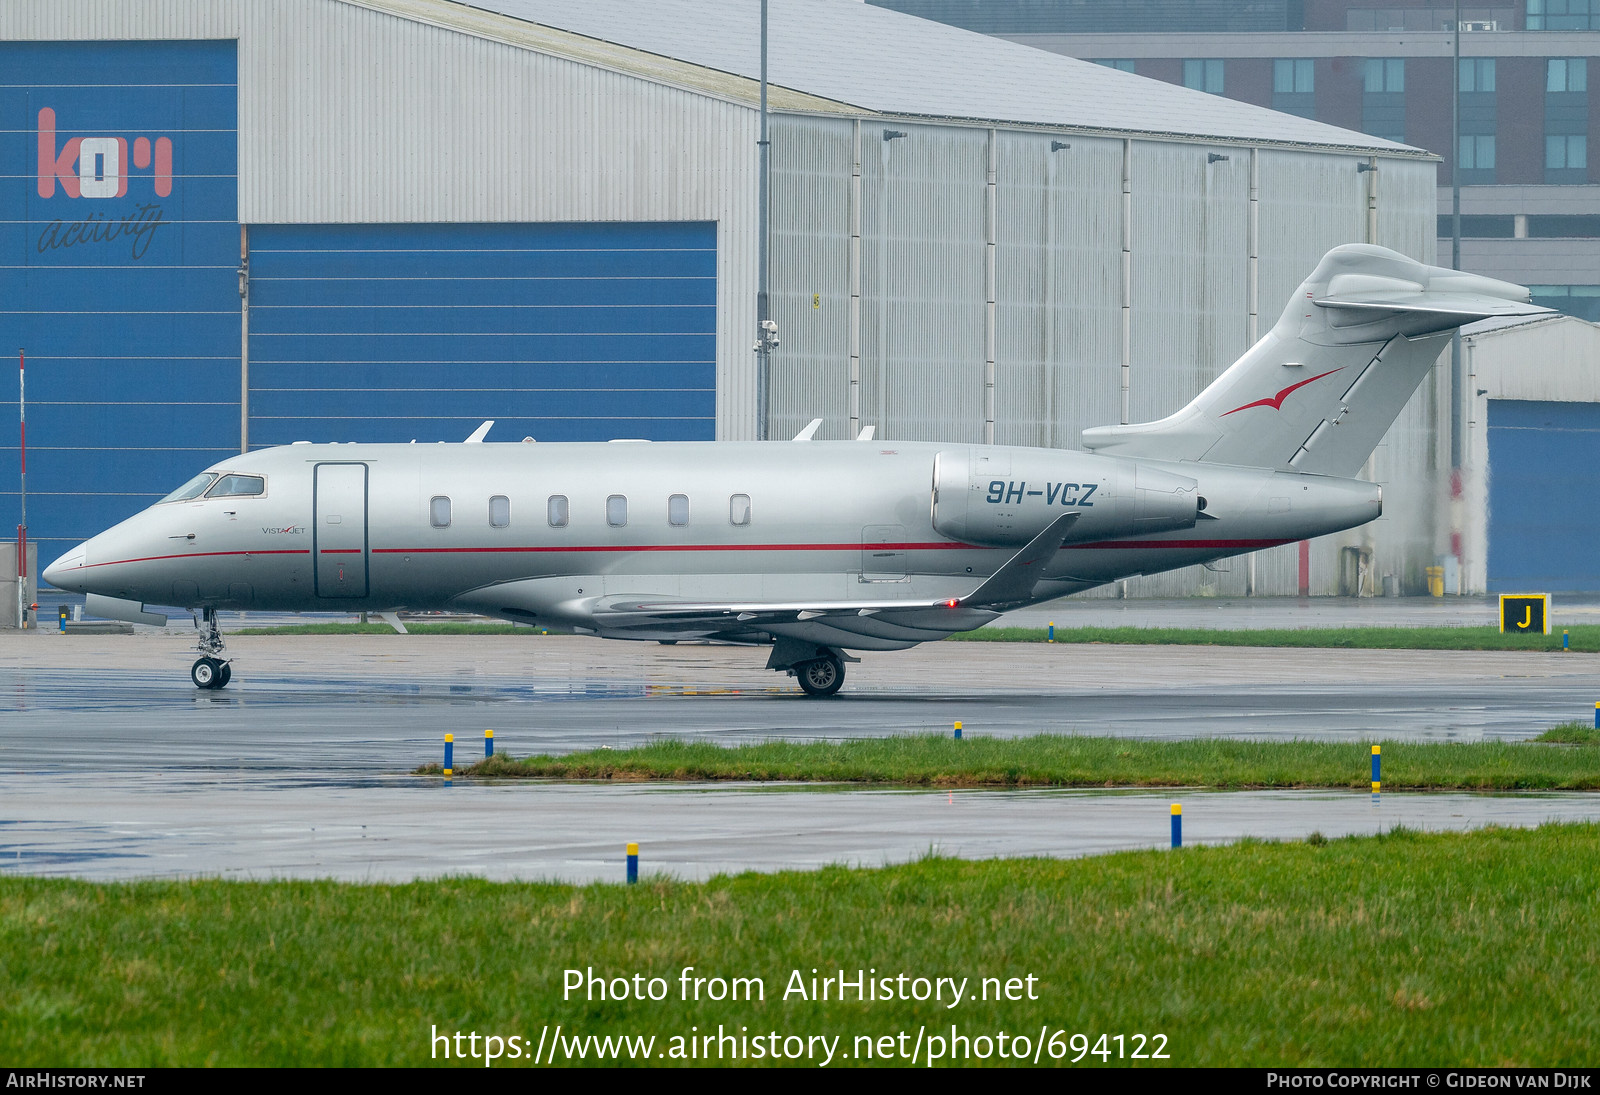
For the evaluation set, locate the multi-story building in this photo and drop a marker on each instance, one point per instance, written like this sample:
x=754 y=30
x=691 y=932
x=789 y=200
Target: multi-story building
x=1523 y=98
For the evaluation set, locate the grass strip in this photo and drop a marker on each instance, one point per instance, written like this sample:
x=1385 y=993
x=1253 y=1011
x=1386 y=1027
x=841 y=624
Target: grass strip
x=1065 y=760
x=1584 y=638
x=1405 y=949
x=1570 y=733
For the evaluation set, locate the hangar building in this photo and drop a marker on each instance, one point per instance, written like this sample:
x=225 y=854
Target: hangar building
x=238 y=223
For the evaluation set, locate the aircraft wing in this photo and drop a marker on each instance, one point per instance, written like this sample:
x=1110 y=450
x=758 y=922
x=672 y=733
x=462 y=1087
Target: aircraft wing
x=887 y=621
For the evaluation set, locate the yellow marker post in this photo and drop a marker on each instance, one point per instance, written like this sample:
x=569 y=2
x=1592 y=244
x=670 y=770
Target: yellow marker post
x=958 y=725
x=449 y=755
x=488 y=744
x=633 y=863
x=1177 y=824
x=1377 y=770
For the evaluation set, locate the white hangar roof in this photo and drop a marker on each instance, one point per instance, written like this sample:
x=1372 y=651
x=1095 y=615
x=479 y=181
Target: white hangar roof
x=885 y=62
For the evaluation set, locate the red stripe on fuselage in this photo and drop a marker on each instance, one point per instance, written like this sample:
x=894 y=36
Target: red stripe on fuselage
x=195 y=555
x=1178 y=545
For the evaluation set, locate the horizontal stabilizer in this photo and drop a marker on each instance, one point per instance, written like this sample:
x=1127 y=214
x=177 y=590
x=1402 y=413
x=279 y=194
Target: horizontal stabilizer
x=1318 y=393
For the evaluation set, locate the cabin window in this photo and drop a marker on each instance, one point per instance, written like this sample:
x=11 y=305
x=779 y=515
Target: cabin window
x=739 y=509
x=439 y=511
x=617 y=510
x=499 y=511
x=678 y=510
x=238 y=486
x=194 y=488
x=558 y=511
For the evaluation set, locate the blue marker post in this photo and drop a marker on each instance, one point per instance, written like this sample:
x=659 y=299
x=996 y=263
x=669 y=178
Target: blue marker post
x=1377 y=769
x=63 y=615
x=1566 y=640
x=449 y=756
x=1052 y=637
x=488 y=744
x=1177 y=824
x=1597 y=716
x=1596 y=721
x=633 y=863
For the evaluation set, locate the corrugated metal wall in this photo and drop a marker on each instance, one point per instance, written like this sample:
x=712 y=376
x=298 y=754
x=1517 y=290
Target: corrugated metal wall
x=562 y=332
x=1059 y=276
x=1058 y=280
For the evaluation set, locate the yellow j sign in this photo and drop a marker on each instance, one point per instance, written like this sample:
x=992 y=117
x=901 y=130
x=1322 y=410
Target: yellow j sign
x=1525 y=613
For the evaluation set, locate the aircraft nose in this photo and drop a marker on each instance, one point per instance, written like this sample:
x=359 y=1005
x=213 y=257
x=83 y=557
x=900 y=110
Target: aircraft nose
x=67 y=571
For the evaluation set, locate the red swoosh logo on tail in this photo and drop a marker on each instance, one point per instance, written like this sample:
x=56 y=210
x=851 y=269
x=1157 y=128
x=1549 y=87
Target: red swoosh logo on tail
x=1276 y=401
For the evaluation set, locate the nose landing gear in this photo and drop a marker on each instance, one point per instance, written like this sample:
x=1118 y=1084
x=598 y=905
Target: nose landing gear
x=210 y=670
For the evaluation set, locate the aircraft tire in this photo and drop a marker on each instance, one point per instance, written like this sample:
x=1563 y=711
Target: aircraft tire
x=822 y=677
x=206 y=673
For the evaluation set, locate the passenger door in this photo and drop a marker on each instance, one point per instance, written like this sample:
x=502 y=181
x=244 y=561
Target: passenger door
x=339 y=531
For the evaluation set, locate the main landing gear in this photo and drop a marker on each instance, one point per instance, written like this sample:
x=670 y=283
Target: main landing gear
x=210 y=670
x=820 y=676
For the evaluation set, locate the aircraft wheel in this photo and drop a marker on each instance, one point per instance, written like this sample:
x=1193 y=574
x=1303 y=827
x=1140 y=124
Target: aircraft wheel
x=206 y=673
x=224 y=675
x=822 y=677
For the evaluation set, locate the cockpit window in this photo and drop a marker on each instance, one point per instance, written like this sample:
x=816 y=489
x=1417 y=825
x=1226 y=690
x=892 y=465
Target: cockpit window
x=194 y=488
x=236 y=486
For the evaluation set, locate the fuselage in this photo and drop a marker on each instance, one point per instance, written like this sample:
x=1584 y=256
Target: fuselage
x=547 y=532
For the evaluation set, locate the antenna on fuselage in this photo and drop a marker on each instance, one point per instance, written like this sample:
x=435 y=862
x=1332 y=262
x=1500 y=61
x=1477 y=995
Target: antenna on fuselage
x=477 y=435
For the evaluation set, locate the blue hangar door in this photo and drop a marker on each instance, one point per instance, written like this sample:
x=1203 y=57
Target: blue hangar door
x=119 y=251
x=1544 y=496
x=560 y=332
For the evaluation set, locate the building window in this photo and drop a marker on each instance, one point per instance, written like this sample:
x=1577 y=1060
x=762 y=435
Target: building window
x=1204 y=75
x=1293 y=85
x=439 y=511
x=617 y=510
x=1385 y=75
x=678 y=510
x=1477 y=74
x=1476 y=153
x=558 y=511
x=1120 y=64
x=1563 y=15
x=1582 y=301
x=1567 y=152
x=1566 y=74
x=1566 y=120
x=1383 y=100
x=499 y=511
x=739 y=509
x=1483 y=226
x=1564 y=226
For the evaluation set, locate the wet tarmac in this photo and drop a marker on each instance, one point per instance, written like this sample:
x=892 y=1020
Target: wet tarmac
x=230 y=826
x=112 y=765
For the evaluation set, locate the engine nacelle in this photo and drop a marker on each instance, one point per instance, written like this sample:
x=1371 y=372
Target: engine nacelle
x=1002 y=497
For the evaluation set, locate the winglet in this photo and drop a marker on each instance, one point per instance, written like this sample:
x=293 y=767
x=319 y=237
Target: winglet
x=810 y=431
x=866 y=433
x=480 y=433
x=1013 y=583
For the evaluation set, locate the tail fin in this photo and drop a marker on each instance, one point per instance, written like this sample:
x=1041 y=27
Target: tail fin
x=1318 y=393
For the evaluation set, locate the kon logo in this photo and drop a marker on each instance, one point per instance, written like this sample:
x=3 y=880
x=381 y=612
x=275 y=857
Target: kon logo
x=97 y=167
